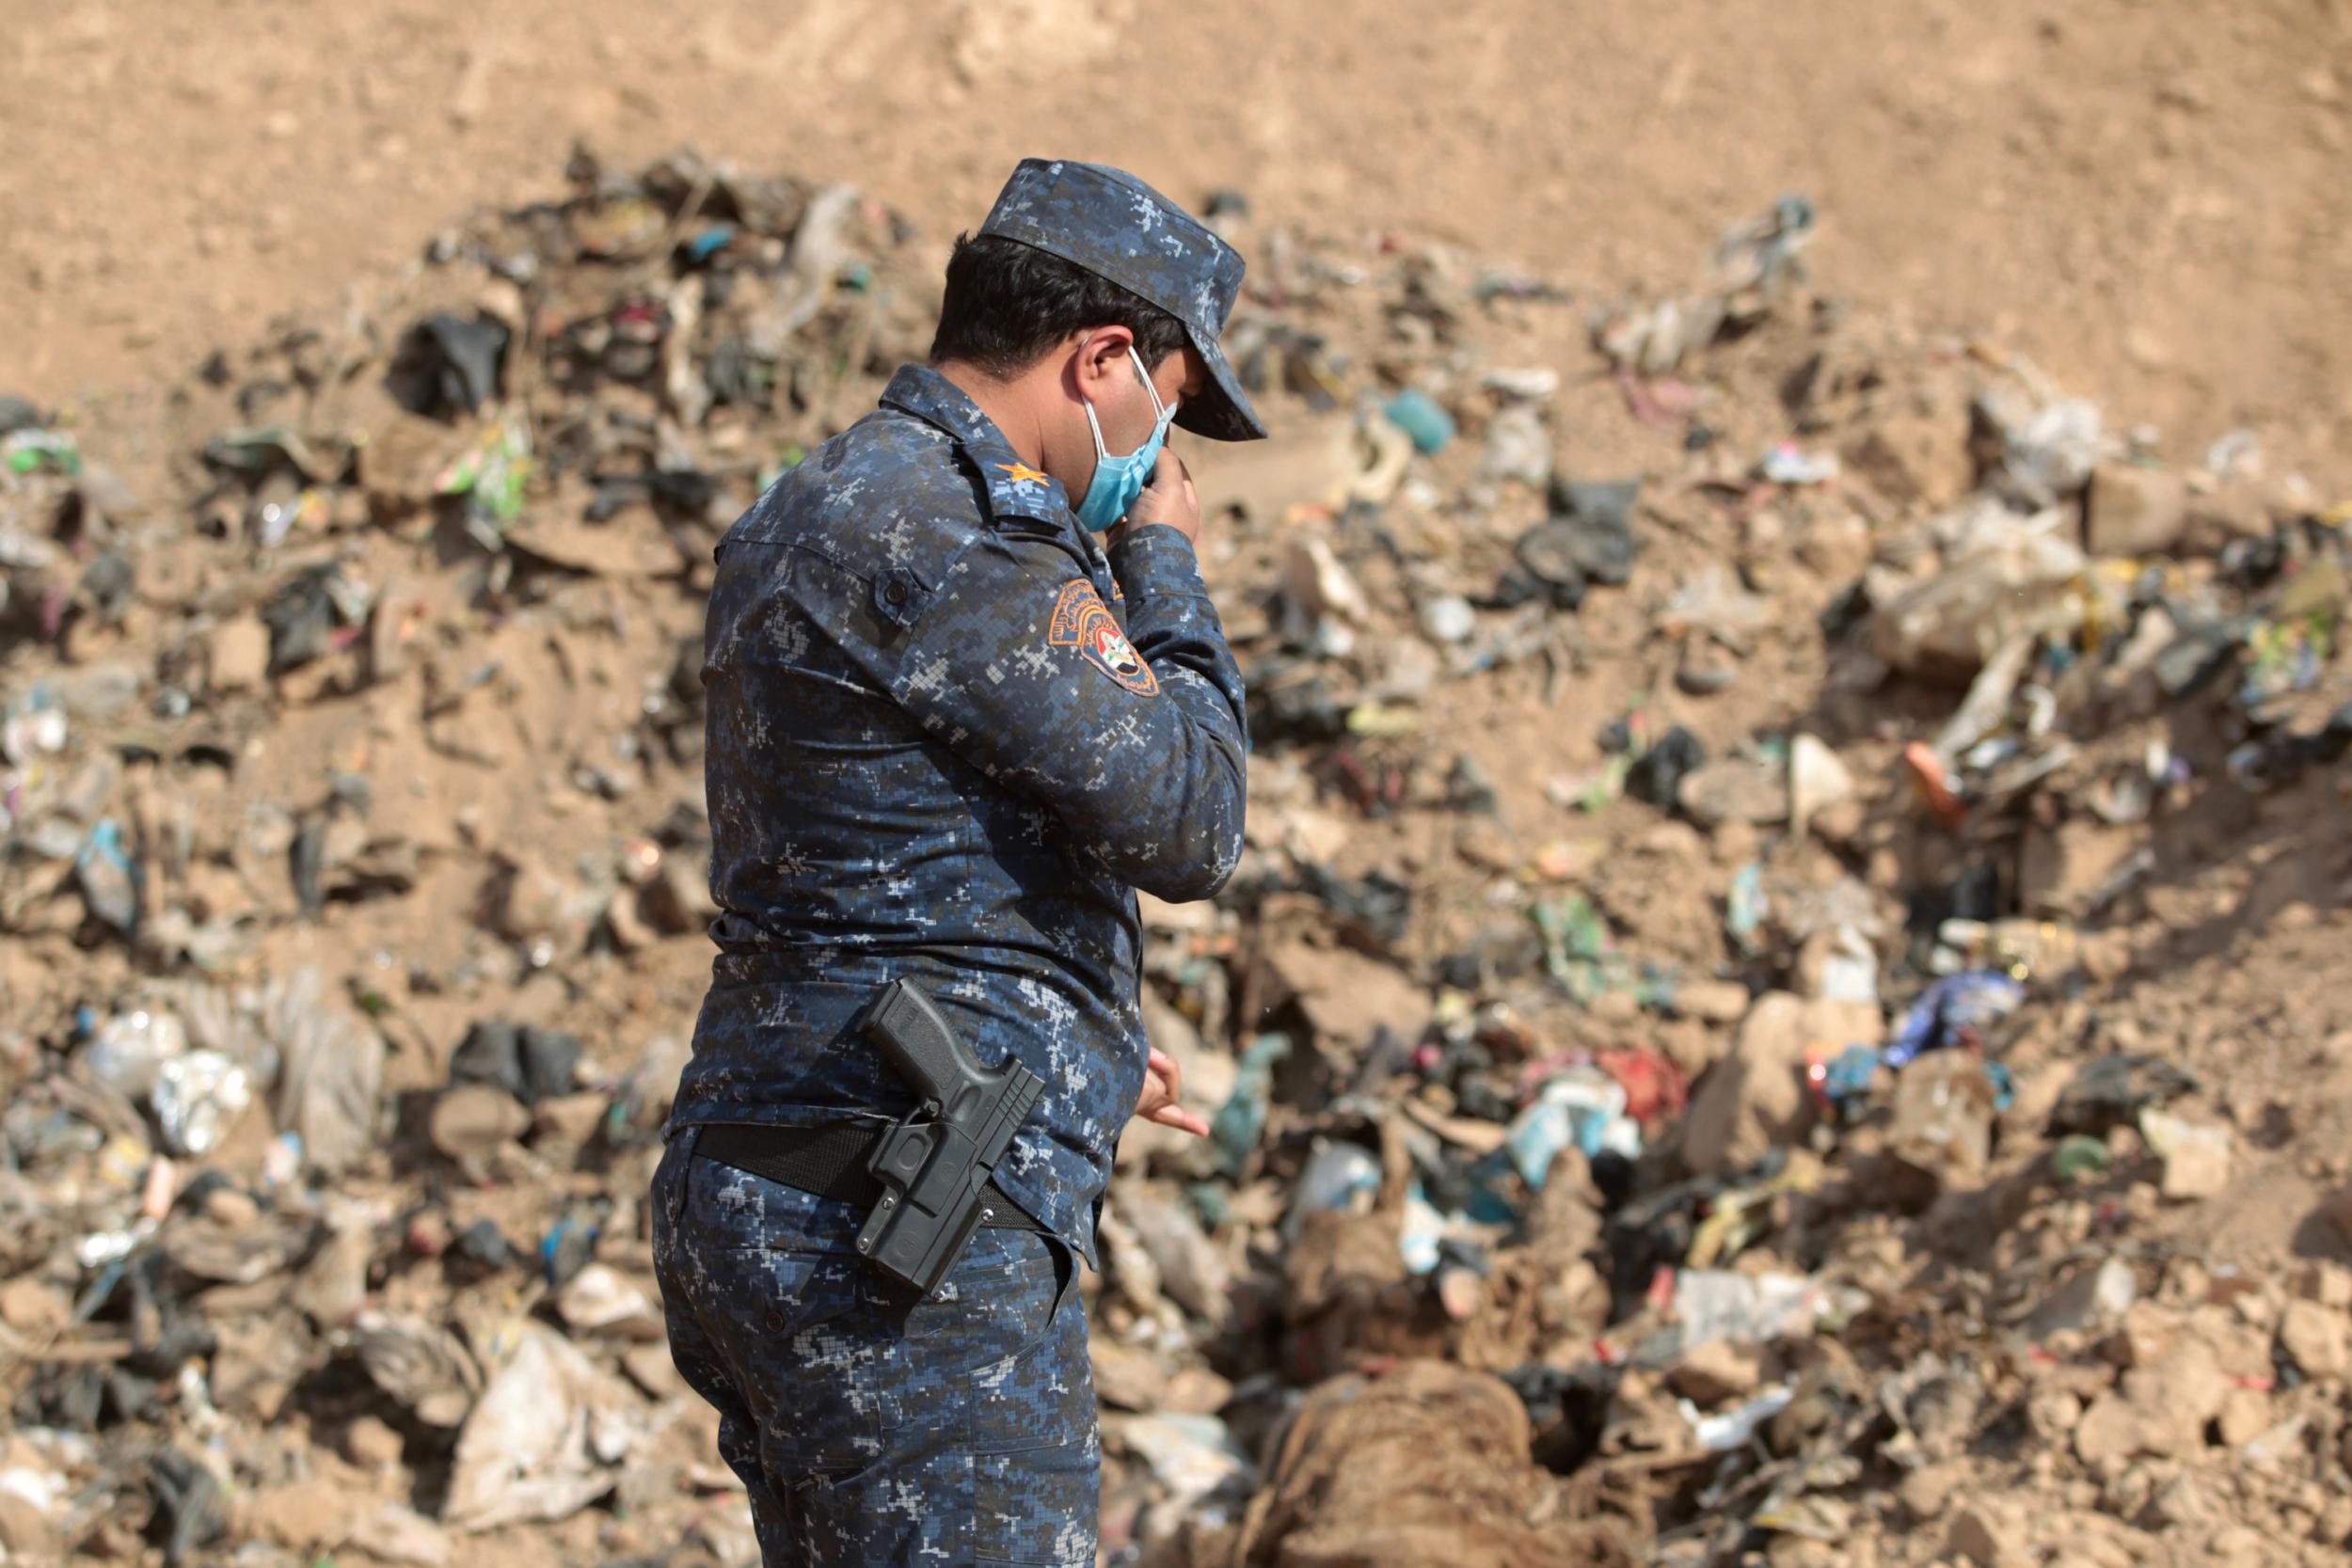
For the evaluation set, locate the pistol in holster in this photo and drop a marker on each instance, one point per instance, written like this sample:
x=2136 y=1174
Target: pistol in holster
x=935 y=1162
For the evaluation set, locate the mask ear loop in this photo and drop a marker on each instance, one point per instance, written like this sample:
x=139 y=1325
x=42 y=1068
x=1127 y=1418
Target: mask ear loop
x=1160 y=411
x=1101 y=452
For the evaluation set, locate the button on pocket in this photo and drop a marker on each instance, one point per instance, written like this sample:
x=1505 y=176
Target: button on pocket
x=898 y=595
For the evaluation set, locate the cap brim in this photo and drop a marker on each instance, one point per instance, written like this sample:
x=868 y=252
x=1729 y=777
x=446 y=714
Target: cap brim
x=1224 y=412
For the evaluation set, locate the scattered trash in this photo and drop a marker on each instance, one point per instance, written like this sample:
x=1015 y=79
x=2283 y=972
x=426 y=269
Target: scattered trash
x=1589 y=1181
x=1788 y=464
x=1953 y=1013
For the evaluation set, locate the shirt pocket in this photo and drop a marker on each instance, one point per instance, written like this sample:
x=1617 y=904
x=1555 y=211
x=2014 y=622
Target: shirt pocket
x=803 y=608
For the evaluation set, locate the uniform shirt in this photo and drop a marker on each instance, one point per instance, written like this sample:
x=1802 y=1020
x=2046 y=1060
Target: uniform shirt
x=948 y=738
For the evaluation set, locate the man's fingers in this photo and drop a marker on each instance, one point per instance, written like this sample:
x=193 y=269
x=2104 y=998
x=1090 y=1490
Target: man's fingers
x=1179 y=1118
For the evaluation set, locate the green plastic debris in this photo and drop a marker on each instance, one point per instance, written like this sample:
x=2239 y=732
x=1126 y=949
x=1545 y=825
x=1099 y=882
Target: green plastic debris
x=491 y=475
x=24 y=451
x=1578 y=949
x=2080 y=1157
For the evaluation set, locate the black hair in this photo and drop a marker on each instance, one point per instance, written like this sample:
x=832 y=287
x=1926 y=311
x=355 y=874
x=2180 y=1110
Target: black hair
x=1009 y=303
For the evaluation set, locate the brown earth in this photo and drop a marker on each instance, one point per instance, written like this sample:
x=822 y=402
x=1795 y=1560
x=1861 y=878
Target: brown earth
x=2132 y=195
x=2137 y=194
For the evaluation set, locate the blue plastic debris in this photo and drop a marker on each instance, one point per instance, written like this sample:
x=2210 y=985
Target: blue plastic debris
x=1235 y=1127
x=1583 y=1106
x=1951 y=1009
x=710 y=242
x=1418 y=415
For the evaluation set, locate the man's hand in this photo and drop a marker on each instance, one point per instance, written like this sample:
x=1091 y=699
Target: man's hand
x=1168 y=498
x=1162 y=1082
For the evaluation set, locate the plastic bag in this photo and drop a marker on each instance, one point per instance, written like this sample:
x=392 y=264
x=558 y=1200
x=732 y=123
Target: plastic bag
x=130 y=1049
x=2008 y=577
x=197 y=1099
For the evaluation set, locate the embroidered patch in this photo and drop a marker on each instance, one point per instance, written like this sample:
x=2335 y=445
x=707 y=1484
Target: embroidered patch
x=1081 y=620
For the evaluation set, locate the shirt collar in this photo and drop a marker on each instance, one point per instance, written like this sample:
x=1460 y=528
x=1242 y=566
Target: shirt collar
x=922 y=391
x=1014 y=489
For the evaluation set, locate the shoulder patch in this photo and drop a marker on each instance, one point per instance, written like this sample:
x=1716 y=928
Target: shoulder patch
x=1081 y=620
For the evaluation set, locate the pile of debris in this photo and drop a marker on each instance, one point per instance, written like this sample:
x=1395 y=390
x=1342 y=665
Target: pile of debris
x=1711 y=1051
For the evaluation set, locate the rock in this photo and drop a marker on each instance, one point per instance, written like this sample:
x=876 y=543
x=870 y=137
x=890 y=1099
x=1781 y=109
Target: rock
x=2052 y=1414
x=2110 y=1430
x=2244 y=1415
x=2160 y=1410
x=2231 y=512
x=371 y=1445
x=333 y=1286
x=1192 y=1271
x=1942 y=1117
x=1916 y=459
x=1735 y=789
x=602 y=1299
x=1754 y=1098
x=1348 y=996
x=28 y=1531
x=304 y=1514
x=2133 y=510
x=654 y=1369
x=1487 y=847
x=1712 y=1001
x=1839 y=965
x=2060 y=870
x=1718 y=1371
x=1817 y=780
x=231 y=1208
x=1927 y=1492
x=1616 y=1009
x=474 y=1120
x=2196 y=1156
x=1126 y=1376
x=2336 y=1209
x=1836 y=545
x=2143 y=1335
x=1199 y=1391
x=1983 y=1535
x=2328 y=1284
x=569 y=1120
x=2318 y=1337
x=1448 y=617
x=238 y=660
x=31 y=1306
x=397 y=1533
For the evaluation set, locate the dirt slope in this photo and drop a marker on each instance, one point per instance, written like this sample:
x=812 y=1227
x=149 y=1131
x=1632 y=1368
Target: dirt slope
x=2136 y=194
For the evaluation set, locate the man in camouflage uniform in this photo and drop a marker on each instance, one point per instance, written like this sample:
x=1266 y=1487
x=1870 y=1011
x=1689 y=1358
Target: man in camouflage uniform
x=956 y=717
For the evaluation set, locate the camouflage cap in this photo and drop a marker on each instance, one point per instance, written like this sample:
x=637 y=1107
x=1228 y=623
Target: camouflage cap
x=1117 y=228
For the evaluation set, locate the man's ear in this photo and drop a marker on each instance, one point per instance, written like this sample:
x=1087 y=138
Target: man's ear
x=1102 y=356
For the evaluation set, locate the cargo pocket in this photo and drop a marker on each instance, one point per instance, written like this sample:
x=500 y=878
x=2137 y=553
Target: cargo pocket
x=1040 y=1393
x=1040 y=1507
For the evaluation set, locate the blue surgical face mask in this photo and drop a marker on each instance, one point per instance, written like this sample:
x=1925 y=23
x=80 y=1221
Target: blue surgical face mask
x=1118 y=481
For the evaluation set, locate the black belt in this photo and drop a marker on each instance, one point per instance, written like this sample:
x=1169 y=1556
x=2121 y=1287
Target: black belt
x=829 y=1162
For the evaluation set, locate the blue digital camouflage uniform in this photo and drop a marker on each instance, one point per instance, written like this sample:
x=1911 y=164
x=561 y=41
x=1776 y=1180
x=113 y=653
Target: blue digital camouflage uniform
x=948 y=738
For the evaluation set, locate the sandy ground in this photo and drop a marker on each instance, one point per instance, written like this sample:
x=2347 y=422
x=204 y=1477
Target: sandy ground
x=2135 y=192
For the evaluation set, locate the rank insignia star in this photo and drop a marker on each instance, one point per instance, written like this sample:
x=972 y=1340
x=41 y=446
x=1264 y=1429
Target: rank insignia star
x=1022 y=473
